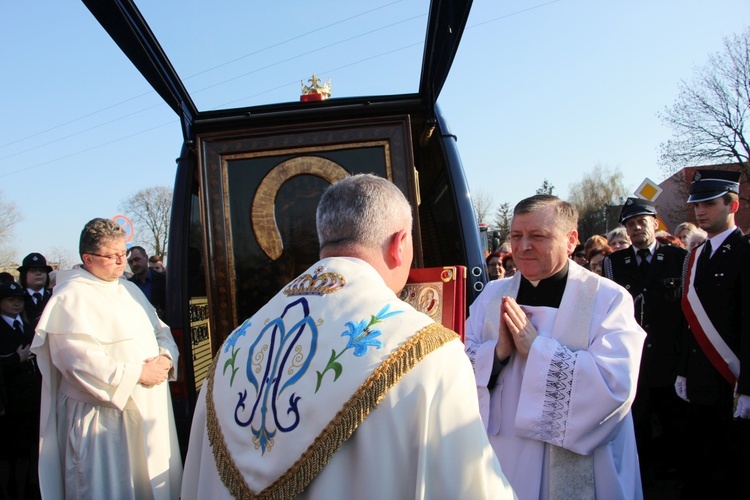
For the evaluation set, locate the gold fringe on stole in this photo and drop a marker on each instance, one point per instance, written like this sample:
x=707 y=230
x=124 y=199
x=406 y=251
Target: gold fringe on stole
x=338 y=430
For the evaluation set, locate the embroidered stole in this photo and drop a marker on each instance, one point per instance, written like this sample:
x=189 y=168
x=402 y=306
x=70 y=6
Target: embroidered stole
x=716 y=350
x=293 y=382
x=571 y=474
x=343 y=425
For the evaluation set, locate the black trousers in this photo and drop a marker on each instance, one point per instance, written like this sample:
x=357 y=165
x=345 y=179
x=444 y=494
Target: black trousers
x=717 y=460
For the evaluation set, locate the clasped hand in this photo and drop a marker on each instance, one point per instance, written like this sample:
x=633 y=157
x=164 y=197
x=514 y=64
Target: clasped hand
x=155 y=371
x=24 y=352
x=516 y=330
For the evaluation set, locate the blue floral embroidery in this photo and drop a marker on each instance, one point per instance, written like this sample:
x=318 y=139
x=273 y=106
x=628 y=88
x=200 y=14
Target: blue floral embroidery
x=361 y=337
x=235 y=335
x=231 y=342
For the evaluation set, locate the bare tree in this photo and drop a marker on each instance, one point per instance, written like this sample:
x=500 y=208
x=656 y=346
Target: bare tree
x=597 y=197
x=60 y=257
x=503 y=216
x=546 y=188
x=9 y=217
x=482 y=203
x=709 y=117
x=8 y=260
x=149 y=209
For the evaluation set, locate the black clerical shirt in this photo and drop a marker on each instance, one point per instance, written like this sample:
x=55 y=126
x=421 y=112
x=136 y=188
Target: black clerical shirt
x=547 y=293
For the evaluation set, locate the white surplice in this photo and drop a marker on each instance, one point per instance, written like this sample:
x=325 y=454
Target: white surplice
x=425 y=439
x=102 y=434
x=575 y=399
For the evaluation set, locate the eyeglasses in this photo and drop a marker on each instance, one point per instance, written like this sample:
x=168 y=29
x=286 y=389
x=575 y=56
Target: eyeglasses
x=113 y=257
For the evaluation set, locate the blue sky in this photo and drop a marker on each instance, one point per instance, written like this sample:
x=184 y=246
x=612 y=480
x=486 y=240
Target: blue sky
x=539 y=90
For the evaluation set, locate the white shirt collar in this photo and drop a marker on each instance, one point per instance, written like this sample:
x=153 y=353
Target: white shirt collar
x=10 y=320
x=716 y=241
x=651 y=249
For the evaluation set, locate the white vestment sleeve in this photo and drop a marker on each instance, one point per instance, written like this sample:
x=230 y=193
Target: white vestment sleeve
x=481 y=337
x=481 y=353
x=167 y=347
x=83 y=360
x=604 y=378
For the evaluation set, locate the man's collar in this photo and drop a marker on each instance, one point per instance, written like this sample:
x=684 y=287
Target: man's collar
x=547 y=292
x=146 y=279
x=718 y=240
x=651 y=248
x=10 y=320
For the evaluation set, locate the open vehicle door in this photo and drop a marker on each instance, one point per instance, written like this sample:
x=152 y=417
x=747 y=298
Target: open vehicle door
x=248 y=181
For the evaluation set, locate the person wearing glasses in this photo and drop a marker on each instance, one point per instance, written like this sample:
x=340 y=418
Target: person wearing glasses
x=107 y=427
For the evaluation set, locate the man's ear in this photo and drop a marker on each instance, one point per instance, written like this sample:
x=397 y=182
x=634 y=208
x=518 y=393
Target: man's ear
x=87 y=259
x=734 y=206
x=396 y=247
x=572 y=241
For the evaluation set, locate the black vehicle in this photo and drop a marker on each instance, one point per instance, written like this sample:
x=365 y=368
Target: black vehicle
x=248 y=181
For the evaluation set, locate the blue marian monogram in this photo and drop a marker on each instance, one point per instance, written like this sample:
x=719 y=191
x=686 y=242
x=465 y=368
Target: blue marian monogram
x=276 y=361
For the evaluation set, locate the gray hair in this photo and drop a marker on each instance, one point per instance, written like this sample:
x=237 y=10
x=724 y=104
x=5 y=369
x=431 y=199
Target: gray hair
x=364 y=210
x=567 y=214
x=618 y=232
x=96 y=232
x=692 y=228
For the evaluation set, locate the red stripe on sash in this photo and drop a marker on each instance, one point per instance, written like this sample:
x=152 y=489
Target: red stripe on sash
x=699 y=333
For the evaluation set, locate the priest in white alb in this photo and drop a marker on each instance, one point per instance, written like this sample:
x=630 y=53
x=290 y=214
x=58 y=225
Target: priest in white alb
x=556 y=351
x=106 y=427
x=336 y=389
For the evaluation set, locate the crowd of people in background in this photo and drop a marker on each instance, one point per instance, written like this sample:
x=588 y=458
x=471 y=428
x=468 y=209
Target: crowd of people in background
x=691 y=393
x=652 y=325
x=22 y=301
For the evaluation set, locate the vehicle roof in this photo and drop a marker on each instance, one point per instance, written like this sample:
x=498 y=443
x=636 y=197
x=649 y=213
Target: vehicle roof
x=236 y=61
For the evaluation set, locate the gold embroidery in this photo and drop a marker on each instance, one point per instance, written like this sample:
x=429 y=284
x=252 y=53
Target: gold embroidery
x=338 y=430
x=317 y=284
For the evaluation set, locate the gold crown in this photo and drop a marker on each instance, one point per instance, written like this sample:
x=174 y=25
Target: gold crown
x=318 y=284
x=316 y=88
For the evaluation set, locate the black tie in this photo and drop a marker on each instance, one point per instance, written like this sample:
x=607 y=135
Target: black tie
x=37 y=297
x=705 y=255
x=643 y=253
x=17 y=326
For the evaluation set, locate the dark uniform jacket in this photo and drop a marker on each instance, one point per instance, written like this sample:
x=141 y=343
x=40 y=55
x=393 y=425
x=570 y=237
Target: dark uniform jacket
x=723 y=287
x=22 y=381
x=33 y=310
x=656 y=296
x=158 y=297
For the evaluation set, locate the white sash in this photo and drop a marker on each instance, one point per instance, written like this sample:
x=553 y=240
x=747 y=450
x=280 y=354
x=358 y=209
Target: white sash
x=717 y=351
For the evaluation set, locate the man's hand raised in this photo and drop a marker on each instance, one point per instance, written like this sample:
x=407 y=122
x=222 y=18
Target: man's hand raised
x=517 y=322
x=505 y=345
